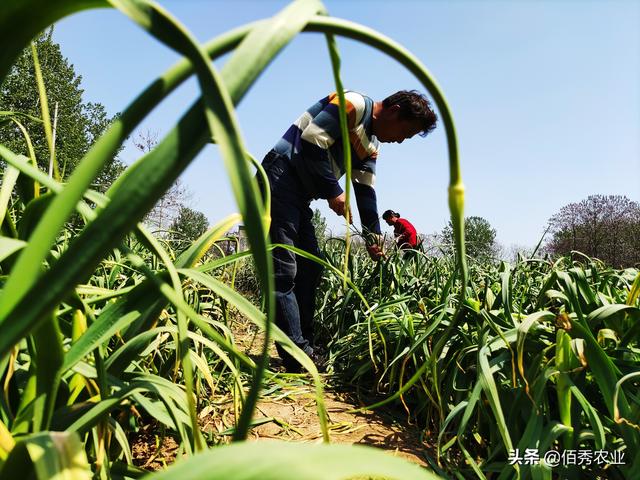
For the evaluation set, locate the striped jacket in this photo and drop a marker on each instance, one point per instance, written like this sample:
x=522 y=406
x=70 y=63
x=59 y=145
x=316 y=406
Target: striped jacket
x=313 y=144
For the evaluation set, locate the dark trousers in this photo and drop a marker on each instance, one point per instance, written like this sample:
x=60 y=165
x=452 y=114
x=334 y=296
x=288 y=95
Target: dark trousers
x=296 y=278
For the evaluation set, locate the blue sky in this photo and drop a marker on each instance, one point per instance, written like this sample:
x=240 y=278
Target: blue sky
x=545 y=96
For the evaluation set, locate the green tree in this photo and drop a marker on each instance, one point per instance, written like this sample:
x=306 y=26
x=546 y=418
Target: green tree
x=480 y=238
x=78 y=124
x=188 y=225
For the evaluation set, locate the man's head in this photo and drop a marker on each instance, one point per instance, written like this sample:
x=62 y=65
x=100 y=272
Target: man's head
x=402 y=115
x=390 y=217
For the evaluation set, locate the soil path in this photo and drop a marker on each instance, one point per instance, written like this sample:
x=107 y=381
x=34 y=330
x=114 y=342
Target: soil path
x=296 y=419
x=287 y=411
x=290 y=413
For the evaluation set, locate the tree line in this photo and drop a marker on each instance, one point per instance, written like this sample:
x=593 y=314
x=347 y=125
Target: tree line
x=606 y=227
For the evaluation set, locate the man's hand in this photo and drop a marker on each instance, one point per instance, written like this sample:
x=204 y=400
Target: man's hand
x=375 y=252
x=338 y=204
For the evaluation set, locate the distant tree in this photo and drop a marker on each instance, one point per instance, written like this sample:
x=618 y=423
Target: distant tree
x=168 y=207
x=188 y=226
x=145 y=141
x=602 y=226
x=431 y=243
x=77 y=123
x=514 y=251
x=480 y=238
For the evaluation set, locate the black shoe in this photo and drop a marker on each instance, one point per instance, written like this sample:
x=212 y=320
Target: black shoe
x=292 y=366
x=319 y=360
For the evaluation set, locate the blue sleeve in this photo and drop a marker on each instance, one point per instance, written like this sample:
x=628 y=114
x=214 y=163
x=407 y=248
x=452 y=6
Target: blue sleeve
x=363 y=179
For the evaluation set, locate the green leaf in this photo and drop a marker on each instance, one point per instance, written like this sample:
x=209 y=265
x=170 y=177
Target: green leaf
x=489 y=386
x=18 y=24
x=634 y=291
x=189 y=257
x=47 y=456
x=6 y=442
x=46 y=119
x=592 y=415
x=284 y=461
x=8 y=182
x=9 y=246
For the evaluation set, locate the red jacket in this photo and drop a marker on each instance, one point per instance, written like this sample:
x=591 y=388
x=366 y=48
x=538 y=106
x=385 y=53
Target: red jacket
x=405 y=233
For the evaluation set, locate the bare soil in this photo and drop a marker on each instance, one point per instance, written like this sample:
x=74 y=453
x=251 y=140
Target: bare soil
x=296 y=419
x=288 y=412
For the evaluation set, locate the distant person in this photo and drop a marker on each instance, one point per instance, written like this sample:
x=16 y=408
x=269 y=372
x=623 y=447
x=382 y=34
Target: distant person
x=306 y=164
x=404 y=232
